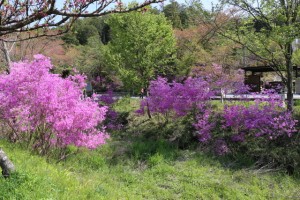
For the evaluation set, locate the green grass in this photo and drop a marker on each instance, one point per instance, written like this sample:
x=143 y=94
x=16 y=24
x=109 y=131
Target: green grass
x=143 y=170
x=297 y=112
x=127 y=104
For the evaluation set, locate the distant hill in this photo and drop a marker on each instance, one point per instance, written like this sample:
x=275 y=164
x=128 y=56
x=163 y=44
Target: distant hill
x=53 y=47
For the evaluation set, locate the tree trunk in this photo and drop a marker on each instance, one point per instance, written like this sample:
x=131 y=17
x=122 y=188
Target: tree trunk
x=6 y=55
x=6 y=165
x=148 y=111
x=290 y=98
x=289 y=85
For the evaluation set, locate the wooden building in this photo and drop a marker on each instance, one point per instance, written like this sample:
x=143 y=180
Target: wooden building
x=255 y=79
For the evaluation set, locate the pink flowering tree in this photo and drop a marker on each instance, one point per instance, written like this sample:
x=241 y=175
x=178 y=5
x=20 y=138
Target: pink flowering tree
x=220 y=81
x=46 y=110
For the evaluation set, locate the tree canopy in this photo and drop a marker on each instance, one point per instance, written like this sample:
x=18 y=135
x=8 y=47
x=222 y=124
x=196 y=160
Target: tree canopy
x=142 y=46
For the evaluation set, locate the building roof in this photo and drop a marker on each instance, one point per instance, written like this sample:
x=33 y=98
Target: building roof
x=264 y=69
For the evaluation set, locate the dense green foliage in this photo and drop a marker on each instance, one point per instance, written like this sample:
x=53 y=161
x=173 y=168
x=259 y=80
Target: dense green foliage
x=185 y=15
x=84 y=29
x=92 y=60
x=142 y=46
x=133 y=47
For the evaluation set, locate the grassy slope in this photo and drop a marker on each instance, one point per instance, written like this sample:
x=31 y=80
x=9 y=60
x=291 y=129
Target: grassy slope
x=98 y=175
x=139 y=169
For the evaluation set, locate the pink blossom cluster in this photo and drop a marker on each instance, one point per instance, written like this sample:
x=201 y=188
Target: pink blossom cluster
x=47 y=110
x=112 y=117
x=221 y=147
x=176 y=97
x=204 y=126
x=43 y=12
x=263 y=118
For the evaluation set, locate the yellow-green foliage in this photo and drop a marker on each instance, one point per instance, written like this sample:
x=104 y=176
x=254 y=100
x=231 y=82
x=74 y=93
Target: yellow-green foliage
x=127 y=104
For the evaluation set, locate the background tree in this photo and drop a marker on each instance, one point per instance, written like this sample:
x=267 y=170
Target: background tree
x=196 y=11
x=176 y=13
x=201 y=45
x=93 y=63
x=267 y=29
x=142 y=46
x=91 y=59
x=185 y=15
x=85 y=28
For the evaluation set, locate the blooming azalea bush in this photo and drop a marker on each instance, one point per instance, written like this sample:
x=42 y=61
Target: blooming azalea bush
x=178 y=102
x=179 y=98
x=46 y=110
x=263 y=118
x=260 y=119
x=114 y=120
x=255 y=126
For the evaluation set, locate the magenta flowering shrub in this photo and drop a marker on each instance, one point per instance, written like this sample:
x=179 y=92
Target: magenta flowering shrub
x=47 y=110
x=204 y=126
x=244 y=121
x=263 y=131
x=263 y=118
x=107 y=99
x=220 y=147
x=183 y=103
x=112 y=121
x=179 y=98
x=159 y=96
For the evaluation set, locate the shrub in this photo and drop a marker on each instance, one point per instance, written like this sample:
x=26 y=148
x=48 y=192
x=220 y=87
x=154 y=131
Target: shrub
x=263 y=123
x=258 y=120
x=46 y=110
x=180 y=98
x=114 y=120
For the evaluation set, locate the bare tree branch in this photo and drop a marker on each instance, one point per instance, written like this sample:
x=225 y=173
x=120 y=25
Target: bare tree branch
x=25 y=15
